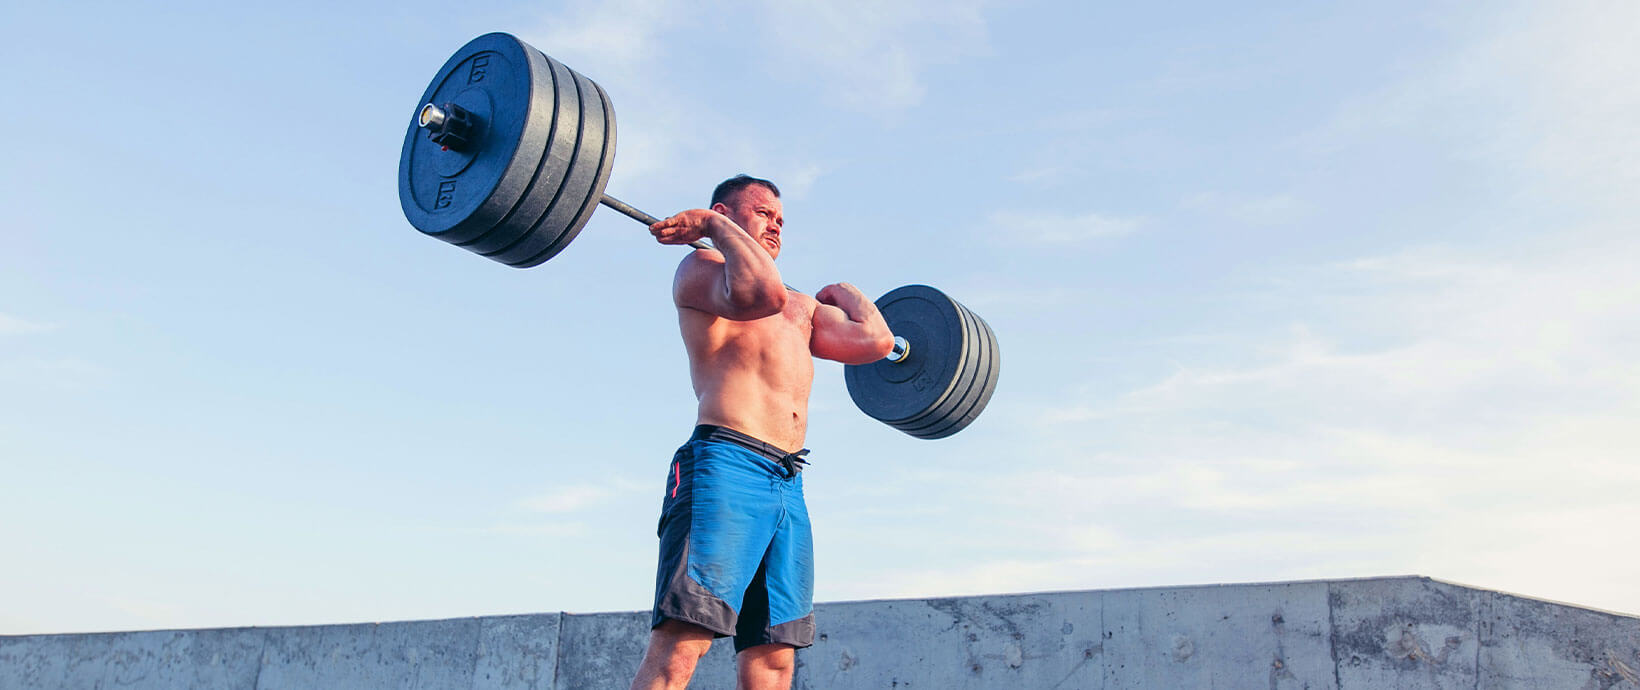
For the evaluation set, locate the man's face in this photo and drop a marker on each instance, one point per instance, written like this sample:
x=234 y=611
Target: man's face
x=757 y=211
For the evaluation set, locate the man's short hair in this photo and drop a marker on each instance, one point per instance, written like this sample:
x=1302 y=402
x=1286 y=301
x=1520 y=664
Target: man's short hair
x=732 y=186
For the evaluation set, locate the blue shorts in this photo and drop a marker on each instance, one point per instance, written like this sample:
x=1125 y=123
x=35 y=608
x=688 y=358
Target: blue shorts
x=737 y=557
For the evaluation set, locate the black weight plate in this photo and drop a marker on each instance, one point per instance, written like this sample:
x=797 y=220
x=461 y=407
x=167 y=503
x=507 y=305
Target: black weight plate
x=976 y=361
x=980 y=396
x=593 y=197
x=583 y=171
x=985 y=393
x=457 y=196
x=551 y=169
x=968 y=377
x=896 y=391
x=590 y=204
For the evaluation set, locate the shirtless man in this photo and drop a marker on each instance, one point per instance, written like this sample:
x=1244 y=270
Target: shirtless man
x=736 y=552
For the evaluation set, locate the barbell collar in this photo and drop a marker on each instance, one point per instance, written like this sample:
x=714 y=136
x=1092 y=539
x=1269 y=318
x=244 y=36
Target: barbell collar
x=902 y=349
x=450 y=126
x=430 y=116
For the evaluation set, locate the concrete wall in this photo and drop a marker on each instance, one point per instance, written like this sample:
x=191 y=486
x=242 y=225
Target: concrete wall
x=1402 y=632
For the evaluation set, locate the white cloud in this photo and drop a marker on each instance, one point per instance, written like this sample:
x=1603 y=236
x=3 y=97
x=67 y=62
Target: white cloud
x=1466 y=411
x=858 y=55
x=618 y=36
x=1566 y=72
x=1488 y=438
x=1545 y=99
x=871 y=55
x=11 y=325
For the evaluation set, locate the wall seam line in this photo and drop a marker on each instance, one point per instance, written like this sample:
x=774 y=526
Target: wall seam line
x=1104 y=652
x=478 y=644
x=558 y=651
x=1481 y=602
x=1332 y=638
x=261 y=662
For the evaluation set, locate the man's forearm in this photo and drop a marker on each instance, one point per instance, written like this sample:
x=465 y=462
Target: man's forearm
x=749 y=273
x=859 y=311
x=854 y=304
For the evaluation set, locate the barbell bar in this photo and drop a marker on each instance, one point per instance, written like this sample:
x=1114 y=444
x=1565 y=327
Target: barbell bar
x=508 y=153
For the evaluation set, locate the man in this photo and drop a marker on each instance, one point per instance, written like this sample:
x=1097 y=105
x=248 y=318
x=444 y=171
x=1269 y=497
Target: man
x=736 y=552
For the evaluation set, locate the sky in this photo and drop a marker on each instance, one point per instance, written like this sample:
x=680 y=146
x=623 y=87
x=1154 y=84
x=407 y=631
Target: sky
x=1283 y=291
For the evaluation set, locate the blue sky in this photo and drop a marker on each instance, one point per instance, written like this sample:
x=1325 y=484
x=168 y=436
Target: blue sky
x=1283 y=291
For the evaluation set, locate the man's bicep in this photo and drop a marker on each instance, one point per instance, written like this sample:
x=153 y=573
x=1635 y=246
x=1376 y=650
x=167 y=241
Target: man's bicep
x=833 y=335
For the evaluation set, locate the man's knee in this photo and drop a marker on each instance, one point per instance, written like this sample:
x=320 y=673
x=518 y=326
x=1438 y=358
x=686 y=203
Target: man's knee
x=674 y=649
x=779 y=658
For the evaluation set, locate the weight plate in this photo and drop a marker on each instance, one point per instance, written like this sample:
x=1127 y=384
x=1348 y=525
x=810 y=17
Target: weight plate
x=458 y=196
x=965 y=385
x=894 y=392
x=552 y=167
x=979 y=396
x=590 y=203
x=968 y=377
x=990 y=386
x=583 y=172
x=968 y=387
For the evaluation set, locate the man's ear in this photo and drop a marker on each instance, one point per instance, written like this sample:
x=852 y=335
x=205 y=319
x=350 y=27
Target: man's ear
x=719 y=207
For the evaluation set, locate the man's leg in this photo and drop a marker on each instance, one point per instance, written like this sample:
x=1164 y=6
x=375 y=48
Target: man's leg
x=674 y=649
x=766 y=667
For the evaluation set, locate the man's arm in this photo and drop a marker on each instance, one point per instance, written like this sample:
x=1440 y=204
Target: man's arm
x=738 y=281
x=848 y=328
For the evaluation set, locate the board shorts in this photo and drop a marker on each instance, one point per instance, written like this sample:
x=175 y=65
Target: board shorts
x=737 y=556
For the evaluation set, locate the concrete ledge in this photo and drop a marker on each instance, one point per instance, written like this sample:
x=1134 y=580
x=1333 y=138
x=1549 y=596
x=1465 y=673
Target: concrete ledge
x=1394 y=632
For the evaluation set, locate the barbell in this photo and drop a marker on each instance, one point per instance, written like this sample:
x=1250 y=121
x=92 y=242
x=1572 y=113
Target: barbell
x=507 y=155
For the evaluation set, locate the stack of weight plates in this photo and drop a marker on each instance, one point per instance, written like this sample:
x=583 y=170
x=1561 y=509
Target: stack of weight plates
x=946 y=378
x=525 y=185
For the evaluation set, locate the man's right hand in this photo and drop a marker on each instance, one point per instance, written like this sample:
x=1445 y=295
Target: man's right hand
x=845 y=297
x=688 y=226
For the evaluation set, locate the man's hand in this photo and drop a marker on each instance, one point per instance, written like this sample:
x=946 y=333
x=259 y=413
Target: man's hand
x=847 y=327
x=845 y=297
x=688 y=226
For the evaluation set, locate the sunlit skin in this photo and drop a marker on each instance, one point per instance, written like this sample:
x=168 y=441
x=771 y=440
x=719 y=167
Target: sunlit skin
x=750 y=340
x=751 y=344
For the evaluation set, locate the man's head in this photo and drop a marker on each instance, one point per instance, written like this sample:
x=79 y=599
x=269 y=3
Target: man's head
x=754 y=205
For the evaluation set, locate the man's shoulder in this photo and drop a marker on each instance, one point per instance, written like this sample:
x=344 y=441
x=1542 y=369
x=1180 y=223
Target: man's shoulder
x=804 y=304
x=697 y=265
x=701 y=258
x=796 y=294
x=697 y=274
